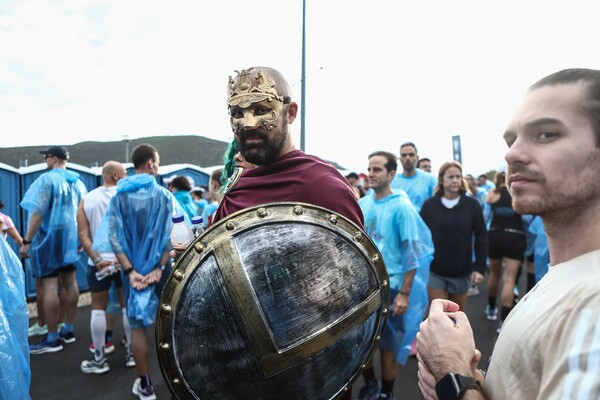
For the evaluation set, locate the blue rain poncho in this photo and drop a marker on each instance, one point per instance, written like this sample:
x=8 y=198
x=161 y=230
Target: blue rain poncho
x=405 y=243
x=209 y=211
x=541 y=254
x=187 y=203
x=15 y=372
x=201 y=204
x=138 y=223
x=480 y=196
x=55 y=196
x=419 y=187
x=529 y=236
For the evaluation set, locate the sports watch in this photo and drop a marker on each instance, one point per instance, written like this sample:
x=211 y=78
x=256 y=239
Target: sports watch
x=453 y=386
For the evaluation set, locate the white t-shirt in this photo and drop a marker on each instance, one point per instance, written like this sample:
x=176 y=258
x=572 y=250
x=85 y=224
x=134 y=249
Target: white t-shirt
x=449 y=204
x=95 y=204
x=549 y=346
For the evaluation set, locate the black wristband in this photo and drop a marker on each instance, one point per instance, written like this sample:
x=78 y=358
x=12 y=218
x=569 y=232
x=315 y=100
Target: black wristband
x=26 y=241
x=128 y=271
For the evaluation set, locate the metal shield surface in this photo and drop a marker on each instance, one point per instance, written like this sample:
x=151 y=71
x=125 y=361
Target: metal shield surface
x=280 y=301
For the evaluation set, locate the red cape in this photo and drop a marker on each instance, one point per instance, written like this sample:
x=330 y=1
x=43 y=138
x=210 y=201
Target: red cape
x=295 y=177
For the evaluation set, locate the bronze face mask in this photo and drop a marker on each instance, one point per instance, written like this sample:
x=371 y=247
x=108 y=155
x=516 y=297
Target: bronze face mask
x=248 y=93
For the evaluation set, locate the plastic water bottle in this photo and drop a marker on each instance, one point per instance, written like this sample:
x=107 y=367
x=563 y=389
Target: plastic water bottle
x=197 y=225
x=181 y=234
x=106 y=272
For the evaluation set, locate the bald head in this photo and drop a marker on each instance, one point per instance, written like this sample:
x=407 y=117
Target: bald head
x=112 y=171
x=281 y=84
x=257 y=84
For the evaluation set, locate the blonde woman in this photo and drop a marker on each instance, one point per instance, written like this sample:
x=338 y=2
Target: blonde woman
x=458 y=230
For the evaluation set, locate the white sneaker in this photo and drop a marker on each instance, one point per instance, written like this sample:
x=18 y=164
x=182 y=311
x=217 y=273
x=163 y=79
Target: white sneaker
x=94 y=367
x=491 y=313
x=143 y=394
x=473 y=291
x=129 y=360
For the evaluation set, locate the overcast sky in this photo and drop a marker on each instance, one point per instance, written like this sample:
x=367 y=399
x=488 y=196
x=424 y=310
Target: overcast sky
x=378 y=73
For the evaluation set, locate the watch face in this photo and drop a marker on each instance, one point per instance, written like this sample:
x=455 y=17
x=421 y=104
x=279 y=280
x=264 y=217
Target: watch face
x=452 y=386
x=448 y=387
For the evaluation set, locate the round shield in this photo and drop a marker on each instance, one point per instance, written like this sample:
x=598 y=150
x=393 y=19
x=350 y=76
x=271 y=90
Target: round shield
x=280 y=301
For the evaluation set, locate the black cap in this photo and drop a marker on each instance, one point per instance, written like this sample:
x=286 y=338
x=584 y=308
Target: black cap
x=57 y=151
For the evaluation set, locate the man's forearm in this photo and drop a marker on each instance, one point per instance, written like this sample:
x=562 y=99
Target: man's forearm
x=87 y=247
x=83 y=231
x=124 y=261
x=34 y=224
x=409 y=277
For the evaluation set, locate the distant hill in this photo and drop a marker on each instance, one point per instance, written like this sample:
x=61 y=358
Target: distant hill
x=196 y=150
x=187 y=149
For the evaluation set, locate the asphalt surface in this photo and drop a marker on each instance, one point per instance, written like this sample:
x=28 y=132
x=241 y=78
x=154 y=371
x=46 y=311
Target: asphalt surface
x=58 y=375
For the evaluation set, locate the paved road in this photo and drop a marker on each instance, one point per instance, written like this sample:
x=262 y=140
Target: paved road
x=57 y=376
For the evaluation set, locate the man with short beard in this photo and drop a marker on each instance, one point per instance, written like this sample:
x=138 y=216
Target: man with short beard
x=406 y=246
x=418 y=184
x=549 y=346
x=261 y=110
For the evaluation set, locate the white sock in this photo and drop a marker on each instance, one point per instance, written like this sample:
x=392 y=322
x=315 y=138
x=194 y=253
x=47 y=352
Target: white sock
x=98 y=329
x=126 y=328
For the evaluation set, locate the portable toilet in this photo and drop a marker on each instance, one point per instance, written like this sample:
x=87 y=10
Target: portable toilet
x=198 y=174
x=129 y=168
x=211 y=169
